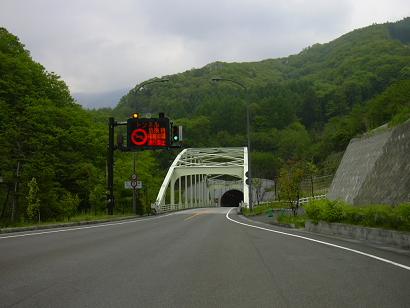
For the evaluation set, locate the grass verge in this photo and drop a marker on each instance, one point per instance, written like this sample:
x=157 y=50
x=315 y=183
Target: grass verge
x=298 y=221
x=264 y=208
x=77 y=218
x=376 y=216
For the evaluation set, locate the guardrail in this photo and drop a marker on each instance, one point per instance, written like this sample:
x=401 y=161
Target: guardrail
x=307 y=199
x=163 y=208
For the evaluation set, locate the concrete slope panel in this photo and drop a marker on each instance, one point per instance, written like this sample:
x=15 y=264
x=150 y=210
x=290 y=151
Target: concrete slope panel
x=357 y=163
x=389 y=180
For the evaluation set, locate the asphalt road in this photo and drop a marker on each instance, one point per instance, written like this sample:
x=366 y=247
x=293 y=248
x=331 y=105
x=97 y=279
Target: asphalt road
x=196 y=258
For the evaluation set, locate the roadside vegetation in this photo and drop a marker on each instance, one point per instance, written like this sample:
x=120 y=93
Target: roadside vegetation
x=297 y=221
x=265 y=208
x=376 y=216
x=76 y=218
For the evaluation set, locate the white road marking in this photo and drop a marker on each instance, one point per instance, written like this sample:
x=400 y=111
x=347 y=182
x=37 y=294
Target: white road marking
x=81 y=228
x=321 y=242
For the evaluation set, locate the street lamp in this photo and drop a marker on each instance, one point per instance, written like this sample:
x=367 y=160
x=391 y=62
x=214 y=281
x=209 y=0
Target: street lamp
x=142 y=85
x=216 y=79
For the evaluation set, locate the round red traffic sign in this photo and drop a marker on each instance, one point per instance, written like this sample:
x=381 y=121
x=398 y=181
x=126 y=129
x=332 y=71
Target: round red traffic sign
x=139 y=137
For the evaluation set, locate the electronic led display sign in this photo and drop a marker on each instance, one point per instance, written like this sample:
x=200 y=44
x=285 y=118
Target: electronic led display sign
x=148 y=133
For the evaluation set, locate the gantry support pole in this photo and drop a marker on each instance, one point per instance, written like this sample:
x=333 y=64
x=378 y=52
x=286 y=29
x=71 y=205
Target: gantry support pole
x=110 y=167
x=180 y=192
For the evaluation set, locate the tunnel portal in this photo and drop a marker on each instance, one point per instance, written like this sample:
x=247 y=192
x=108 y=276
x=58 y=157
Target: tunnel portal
x=232 y=198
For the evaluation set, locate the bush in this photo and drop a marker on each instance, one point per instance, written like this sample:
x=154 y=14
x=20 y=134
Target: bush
x=69 y=204
x=334 y=211
x=401 y=217
x=383 y=216
x=313 y=210
x=377 y=216
x=263 y=208
x=298 y=221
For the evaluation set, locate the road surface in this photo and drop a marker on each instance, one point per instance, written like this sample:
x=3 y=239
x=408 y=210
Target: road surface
x=196 y=258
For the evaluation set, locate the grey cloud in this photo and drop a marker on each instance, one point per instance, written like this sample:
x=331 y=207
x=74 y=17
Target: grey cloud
x=101 y=45
x=205 y=19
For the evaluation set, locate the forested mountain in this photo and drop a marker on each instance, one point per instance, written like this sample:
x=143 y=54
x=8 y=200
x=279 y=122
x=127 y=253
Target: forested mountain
x=303 y=107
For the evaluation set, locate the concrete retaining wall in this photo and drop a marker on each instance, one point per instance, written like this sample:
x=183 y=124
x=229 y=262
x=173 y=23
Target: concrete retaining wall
x=389 y=181
x=375 y=168
x=373 y=235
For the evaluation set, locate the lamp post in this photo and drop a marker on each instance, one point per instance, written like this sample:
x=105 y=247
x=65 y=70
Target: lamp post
x=142 y=85
x=247 y=134
x=134 y=189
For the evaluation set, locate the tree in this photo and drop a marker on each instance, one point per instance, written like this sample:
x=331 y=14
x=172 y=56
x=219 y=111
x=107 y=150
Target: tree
x=98 y=198
x=33 y=207
x=260 y=190
x=69 y=204
x=291 y=175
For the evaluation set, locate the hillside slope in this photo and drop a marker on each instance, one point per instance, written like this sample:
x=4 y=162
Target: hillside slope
x=300 y=104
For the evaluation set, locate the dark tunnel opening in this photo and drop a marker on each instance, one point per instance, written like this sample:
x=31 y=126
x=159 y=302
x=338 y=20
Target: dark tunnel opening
x=232 y=198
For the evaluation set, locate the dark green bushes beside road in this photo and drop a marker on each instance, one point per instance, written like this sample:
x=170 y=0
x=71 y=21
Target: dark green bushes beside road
x=379 y=216
x=264 y=208
x=376 y=216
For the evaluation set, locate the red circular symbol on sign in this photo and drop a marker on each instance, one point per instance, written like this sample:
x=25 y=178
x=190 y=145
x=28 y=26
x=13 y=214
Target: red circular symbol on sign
x=139 y=137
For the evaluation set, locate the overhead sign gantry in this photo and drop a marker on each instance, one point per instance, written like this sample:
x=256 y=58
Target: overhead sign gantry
x=142 y=134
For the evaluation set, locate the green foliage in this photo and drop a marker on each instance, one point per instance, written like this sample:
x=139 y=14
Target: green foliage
x=69 y=204
x=264 y=208
x=294 y=142
x=33 y=201
x=46 y=133
x=297 y=221
x=291 y=176
x=383 y=216
x=401 y=30
x=97 y=198
x=393 y=103
x=265 y=164
x=148 y=171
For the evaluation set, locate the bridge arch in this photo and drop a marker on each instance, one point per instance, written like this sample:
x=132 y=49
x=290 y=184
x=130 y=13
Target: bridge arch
x=193 y=176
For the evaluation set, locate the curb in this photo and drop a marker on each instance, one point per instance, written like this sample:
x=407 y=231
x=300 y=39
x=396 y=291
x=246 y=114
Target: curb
x=271 y=223
x=376 y=236
x=63 y=225
x=383 y=242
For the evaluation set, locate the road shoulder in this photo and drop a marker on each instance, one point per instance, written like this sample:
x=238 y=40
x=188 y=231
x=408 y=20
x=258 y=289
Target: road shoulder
x=391 y=253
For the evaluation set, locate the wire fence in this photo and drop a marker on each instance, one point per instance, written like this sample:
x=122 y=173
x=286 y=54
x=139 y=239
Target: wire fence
x=315 y=185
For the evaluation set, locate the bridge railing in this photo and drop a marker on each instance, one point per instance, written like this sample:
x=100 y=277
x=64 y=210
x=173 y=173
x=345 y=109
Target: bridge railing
x=308 y=199
x=164 y=208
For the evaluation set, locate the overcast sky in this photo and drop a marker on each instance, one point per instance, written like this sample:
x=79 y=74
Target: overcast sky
x=104 y=45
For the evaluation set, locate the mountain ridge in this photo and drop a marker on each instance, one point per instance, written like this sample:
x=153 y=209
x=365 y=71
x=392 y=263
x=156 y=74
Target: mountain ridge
x=324 y=95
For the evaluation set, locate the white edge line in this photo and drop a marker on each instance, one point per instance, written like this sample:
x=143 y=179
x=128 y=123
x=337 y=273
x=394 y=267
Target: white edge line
x=321 y=242
x=80 y=228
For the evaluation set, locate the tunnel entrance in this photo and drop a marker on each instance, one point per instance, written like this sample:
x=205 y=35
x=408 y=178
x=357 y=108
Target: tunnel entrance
x=232 y=198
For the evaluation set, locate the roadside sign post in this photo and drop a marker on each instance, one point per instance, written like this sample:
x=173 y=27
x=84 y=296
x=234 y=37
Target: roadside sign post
x=134 y=193
x=130 y=185
x=142 y=134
